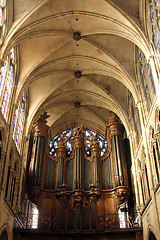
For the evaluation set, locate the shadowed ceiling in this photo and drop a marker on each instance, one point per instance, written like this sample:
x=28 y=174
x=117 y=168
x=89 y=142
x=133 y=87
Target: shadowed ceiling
x=76 y=59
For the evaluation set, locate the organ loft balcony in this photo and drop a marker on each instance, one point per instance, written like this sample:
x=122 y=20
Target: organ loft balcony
x=79 y=184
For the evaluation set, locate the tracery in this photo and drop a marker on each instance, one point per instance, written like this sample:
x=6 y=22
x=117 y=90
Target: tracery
x=68 y=135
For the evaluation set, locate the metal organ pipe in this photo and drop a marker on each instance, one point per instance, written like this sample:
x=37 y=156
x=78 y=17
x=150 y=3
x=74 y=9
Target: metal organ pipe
x=38 y=165
x=78 y=143
x=115 y=134
x=95 y=156
x=61 y=154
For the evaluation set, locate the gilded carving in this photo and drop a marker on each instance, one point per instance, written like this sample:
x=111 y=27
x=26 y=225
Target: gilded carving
x=94 y=147
x=93 y=193
x=122 y=194
x=78 y=198
x=61 y=151
x=78 y=136
x=62 y=194
x=114 y=127
x=40 y=128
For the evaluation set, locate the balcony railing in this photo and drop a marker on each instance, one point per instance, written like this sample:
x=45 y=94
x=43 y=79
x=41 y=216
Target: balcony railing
x=104 y=223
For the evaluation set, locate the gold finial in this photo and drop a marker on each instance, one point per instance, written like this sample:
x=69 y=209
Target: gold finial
x=41 y=128
x=61 y=150
x=112 y=118
x=42 y=118
x=114 y=126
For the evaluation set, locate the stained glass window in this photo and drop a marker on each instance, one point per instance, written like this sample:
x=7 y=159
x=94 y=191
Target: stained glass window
x=1 y=12
x=147 y=79
x=156 y=2
x=6 y=83
x=135 y=119
x=151 y=78
x=152 y=13
x=2 y=19
x=19 y=122
x=89 y=135
x=7 y=92
x=156 y=39
x=3 y=73
x=158 y=21
x=154 y=32
x=67 y=136
x=145 y=87
x=12 y=55
x=2 y=3
x=0 y=16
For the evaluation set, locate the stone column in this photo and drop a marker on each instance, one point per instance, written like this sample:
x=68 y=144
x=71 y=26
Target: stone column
x=157 y=158
x=153 y=167
x=16 y=192
x=11 y=176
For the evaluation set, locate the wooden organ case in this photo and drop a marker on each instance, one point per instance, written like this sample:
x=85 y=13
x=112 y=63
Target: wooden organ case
x=74 y=192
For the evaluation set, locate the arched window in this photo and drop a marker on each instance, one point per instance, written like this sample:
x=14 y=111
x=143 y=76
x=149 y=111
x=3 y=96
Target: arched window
x=135 y=120
x=19 y=122
x=67 y=135
x=154 y=22
x=6 y=83
x=147 y=84
x=2 y=19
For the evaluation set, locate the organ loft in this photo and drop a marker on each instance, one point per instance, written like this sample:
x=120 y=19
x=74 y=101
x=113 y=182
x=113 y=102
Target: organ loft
x=76 y=190
x=80 y=119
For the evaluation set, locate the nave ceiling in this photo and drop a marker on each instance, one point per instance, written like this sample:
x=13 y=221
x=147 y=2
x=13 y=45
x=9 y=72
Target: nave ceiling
x=76 y=59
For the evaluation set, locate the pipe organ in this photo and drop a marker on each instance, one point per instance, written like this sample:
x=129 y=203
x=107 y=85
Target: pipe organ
x=75 y=190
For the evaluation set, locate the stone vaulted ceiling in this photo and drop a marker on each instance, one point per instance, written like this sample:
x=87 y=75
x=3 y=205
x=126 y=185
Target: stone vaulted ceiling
x=76 y=59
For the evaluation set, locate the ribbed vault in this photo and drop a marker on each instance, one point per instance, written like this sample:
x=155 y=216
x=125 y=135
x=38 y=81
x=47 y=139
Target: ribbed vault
x=56 y=39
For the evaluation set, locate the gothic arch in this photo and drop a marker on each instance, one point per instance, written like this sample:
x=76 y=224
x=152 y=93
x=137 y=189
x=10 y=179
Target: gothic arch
x=152 y=236
x=3 y=234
